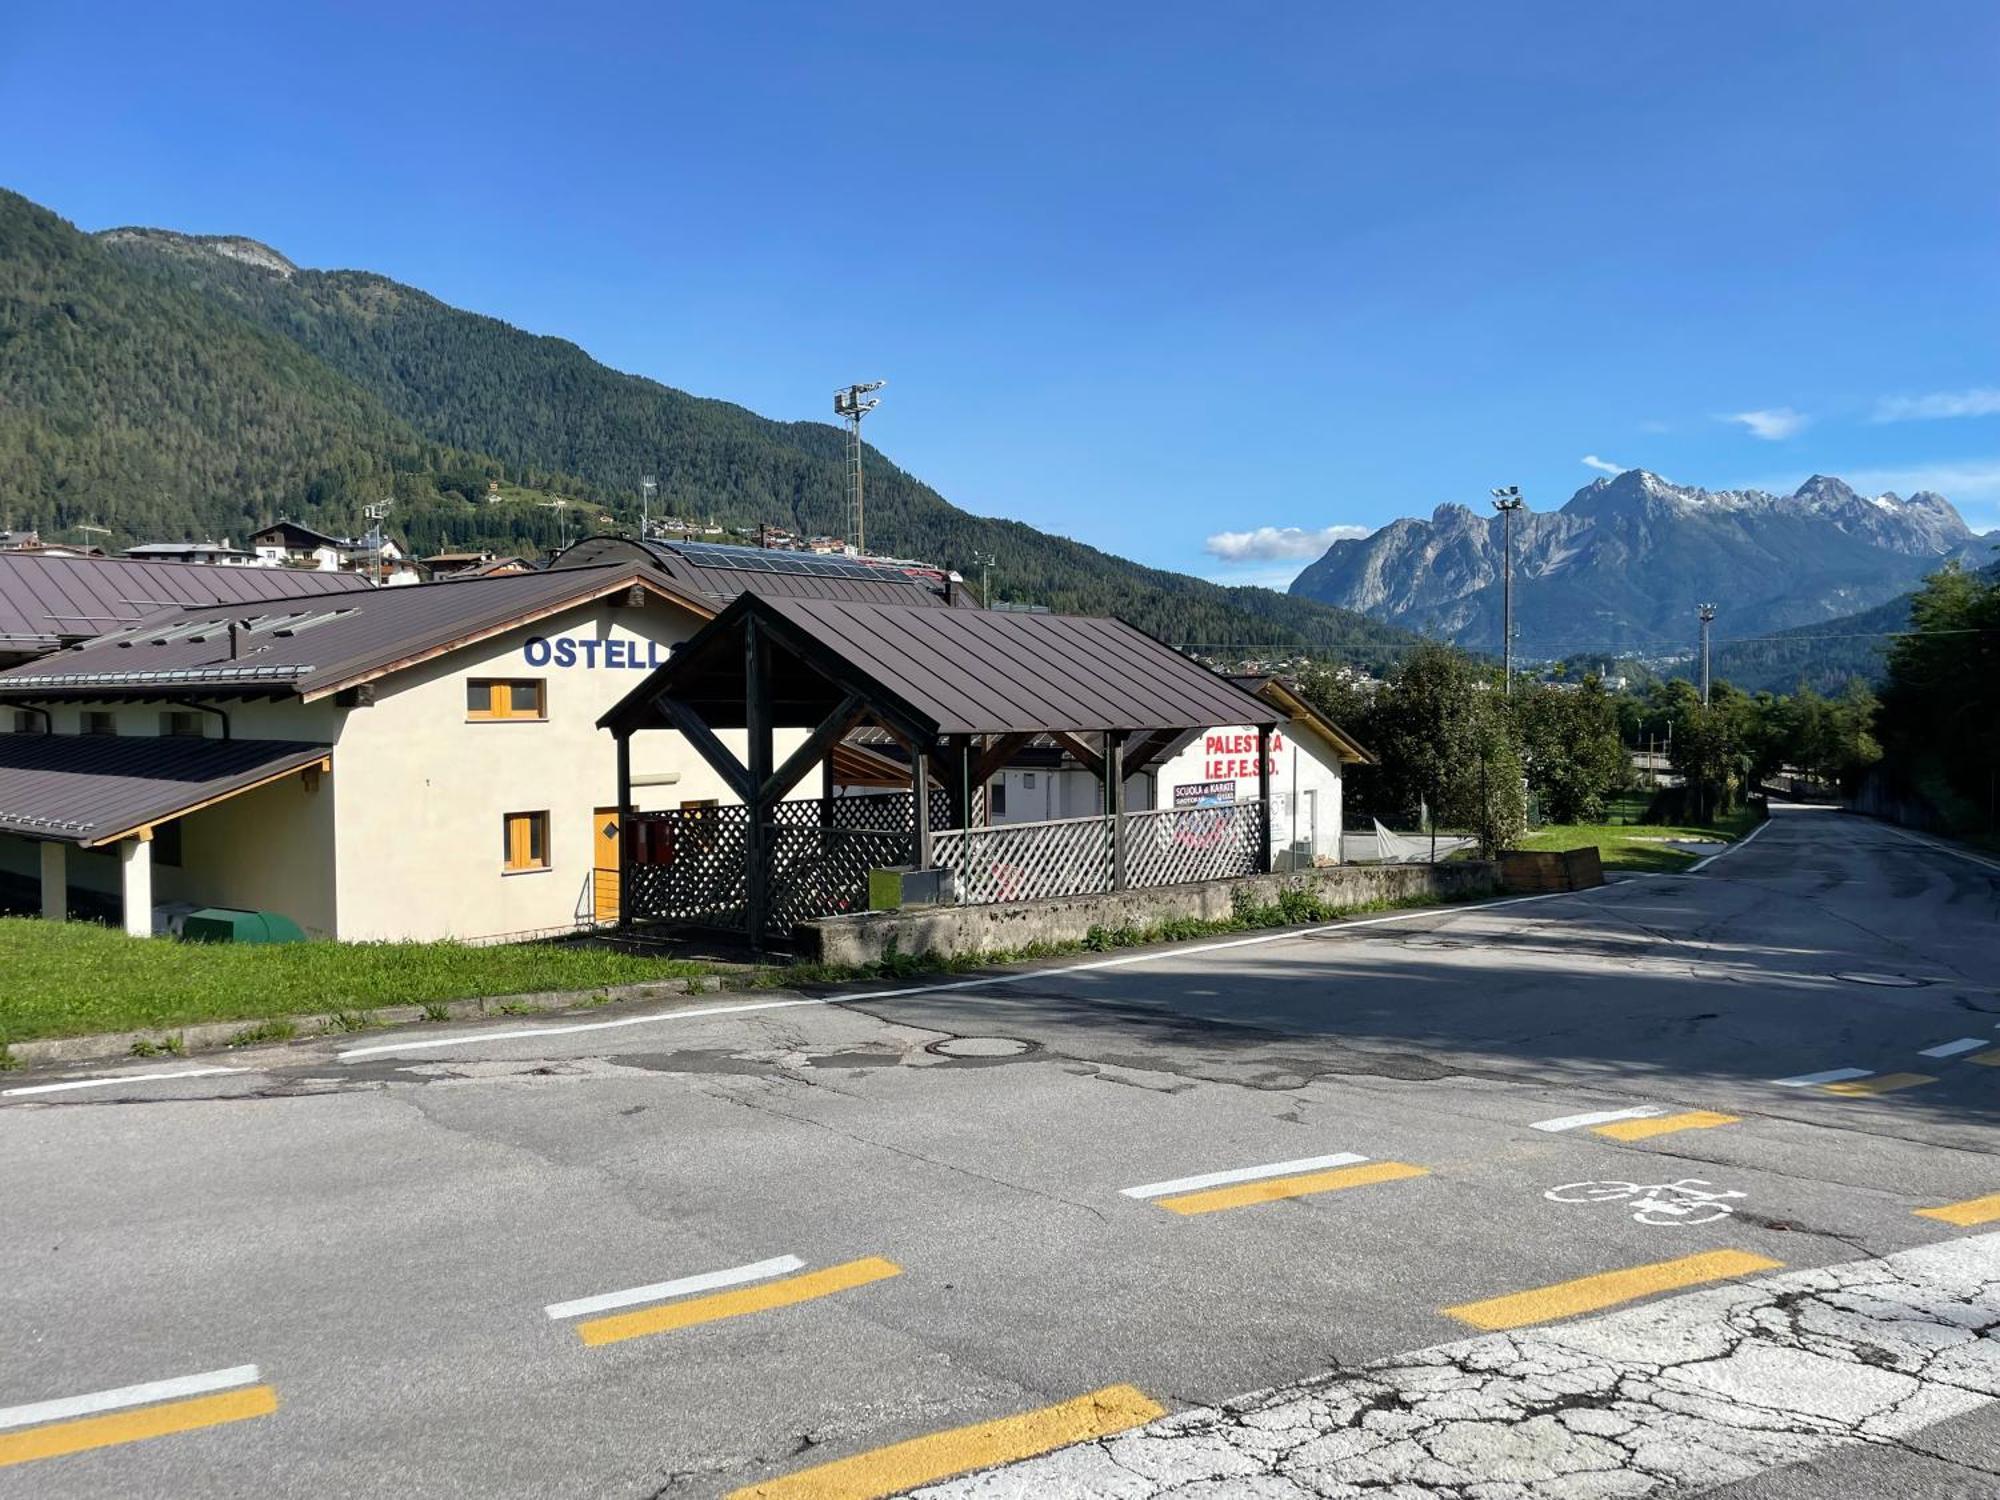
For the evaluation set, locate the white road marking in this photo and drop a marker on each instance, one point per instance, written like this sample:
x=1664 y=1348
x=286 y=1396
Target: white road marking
x=1703 y=864
x=1952 y=1049
x=1600 y=1117
x=1153 y=955
x=1942 y=848
x=1244 y=1174
x=108 y=1081
x=1831 y=1075
x=661 y=1290
x=127 y=1395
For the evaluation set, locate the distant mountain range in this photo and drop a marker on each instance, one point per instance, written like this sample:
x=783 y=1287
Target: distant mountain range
x=171 y=386
x=1620 y=568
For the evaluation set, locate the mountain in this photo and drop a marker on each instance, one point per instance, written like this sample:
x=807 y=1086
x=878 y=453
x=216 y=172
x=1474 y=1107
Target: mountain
x=1621 y=567
x=1822 y=656
x=168 y=385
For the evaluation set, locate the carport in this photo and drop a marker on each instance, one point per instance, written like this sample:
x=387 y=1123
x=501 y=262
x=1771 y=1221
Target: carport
x=961 y=690
x=99 y=791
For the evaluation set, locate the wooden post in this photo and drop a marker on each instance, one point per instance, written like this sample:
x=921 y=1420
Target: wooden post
x=757 y=717
x=624 y=739
x=1114 y=803
x=826 y=791
x=920 y=790
x=1264 y=796
x=961 y=781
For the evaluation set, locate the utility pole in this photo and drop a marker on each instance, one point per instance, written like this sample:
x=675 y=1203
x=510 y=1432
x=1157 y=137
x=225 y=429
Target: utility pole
x=1507 y=500
x=1706 y=613
x=849 y=407
x=985 y=561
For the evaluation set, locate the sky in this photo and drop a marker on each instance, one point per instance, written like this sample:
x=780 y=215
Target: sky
x=1203 y=285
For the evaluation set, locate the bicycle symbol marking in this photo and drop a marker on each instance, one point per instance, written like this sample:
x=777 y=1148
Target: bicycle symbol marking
x=1689 y=1201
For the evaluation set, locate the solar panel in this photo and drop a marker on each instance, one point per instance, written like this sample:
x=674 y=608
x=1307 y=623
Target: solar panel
x=769 y=560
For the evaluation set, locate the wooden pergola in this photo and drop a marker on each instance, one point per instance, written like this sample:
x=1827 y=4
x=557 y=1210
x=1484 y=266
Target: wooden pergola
x=962 y=691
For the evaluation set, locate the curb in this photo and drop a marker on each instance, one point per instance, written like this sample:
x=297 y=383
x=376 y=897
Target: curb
x=210 y=1035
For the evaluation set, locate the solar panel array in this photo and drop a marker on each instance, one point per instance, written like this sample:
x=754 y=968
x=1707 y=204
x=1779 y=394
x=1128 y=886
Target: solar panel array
x=768 y=560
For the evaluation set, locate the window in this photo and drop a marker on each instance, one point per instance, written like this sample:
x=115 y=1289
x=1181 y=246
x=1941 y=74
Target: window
x=181 y=724
x=29 y=721
x=98 y=721
x=505 y=698
x=525 y=841
x=996 y=798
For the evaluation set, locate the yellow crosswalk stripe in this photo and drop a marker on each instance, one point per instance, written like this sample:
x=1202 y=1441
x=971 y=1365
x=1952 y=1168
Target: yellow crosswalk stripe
x=1639 y=1130
x=1883 y=1083
x=1609 y=1288
x=1988 y=1059
x=760 y=1298
x=924 y=1460
x=83 y=1433
x=1270 y=1189
x=1971 y=1211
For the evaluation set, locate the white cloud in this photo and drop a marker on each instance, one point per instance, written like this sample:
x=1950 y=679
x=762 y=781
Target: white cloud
x=1773 y=424
x=1602 y=465
x=1269 y=543
x=1981 y=402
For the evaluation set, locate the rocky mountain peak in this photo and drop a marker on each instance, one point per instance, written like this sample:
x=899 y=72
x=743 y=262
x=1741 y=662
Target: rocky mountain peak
x=236 y=247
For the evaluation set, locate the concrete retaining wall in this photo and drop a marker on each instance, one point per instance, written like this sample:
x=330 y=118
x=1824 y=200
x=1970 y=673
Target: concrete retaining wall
x=954 y=930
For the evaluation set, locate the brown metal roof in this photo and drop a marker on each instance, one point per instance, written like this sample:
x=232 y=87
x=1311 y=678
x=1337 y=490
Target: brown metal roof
x=945 y=671
x=46 y=601
x=91 y=789
x=890 y=583
x=313 y=647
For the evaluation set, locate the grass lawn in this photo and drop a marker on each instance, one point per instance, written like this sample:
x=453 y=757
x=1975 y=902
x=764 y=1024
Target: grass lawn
x=1637 y=846
x=76 y=977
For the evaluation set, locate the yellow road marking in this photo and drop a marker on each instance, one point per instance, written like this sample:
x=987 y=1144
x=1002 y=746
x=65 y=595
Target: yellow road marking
x=1639 y=1130
x=1886 y=1083
x=904 y=1466
x=1986 y=1059
x=1589 y=1293
x=760 y=1298
x=1971 y=1211
x=1272 y=1188
x=82 y=1433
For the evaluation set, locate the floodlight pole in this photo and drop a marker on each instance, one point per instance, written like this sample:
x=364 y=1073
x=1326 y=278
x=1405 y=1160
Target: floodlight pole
x=1706 y=614
x=848 y=405
x=985 y=561
x=1507 y=500
x=648 y=487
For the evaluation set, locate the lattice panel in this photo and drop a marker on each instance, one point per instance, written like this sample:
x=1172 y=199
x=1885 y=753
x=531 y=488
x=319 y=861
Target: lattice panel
x=1181 y=844
x=823 y=872
x=1027 y=861
x=692 y=869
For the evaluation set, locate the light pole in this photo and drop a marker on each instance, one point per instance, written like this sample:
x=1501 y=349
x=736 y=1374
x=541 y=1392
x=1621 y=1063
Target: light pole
x=848 y=405
x=1706 y=614
x=375 y=514
x=985 y=561
x=648 y=488
x=1507 y=500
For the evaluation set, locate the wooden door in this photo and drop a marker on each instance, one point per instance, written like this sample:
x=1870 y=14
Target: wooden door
x=604 y=874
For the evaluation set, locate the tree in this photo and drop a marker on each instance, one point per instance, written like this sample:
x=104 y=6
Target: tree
x=1575 y=757
x=1940 y=712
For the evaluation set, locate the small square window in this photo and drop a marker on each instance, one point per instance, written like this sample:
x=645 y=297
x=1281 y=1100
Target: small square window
x=28 y=721
x=98 y=721
x=505 y=698
x=525 y=841
x=181 y=724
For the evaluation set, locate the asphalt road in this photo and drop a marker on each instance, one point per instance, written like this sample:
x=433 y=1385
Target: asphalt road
x=387 y=1228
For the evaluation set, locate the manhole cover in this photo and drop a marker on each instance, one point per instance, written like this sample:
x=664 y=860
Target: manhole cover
x=980 y=1046
x=1888 y=981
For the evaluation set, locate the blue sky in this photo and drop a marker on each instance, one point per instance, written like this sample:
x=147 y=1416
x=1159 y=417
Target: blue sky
x=1139 y=274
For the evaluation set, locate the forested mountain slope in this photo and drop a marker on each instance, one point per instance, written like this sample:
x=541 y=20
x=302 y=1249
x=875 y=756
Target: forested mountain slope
x=168 y=385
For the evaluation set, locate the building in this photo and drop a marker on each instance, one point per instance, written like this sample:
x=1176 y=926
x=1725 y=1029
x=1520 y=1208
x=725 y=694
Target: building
x=50 y=601
x=452 y=564
x=421 y=762
x=209 y=554
x=289 y=544
x=1212 y=767
x=719 y=571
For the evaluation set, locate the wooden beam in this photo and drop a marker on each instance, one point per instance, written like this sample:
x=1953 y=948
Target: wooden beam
x=757 y=717
x=997 y=755
x=818 y=745
x=732 y=771
x=1090 y=759
x=624 y=742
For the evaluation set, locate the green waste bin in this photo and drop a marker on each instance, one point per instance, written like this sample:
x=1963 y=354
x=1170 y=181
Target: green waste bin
x=224 y=924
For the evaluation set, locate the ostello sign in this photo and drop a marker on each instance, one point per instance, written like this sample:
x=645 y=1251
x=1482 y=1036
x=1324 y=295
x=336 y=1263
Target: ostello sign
x=587 y=651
